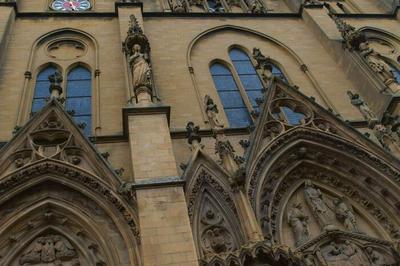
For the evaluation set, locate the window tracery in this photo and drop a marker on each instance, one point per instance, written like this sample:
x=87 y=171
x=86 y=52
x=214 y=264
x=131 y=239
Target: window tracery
x=239 y=95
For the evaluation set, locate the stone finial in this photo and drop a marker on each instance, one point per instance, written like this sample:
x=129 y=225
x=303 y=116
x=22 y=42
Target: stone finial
x=351 y=36
x=192 y=134
x=232 y=163
x=55 y=85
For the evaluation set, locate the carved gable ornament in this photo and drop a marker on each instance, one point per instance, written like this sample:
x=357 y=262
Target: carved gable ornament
x=52 y=135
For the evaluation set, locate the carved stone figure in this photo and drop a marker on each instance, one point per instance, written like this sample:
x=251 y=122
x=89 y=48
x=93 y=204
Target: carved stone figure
x=215 y=237
x=212 y=111
x=55 y=88
x=386 y=138
x=298 y=221
x=358 y=102
x=377 y=259
x=141 y=71
x=309 y=260
x=317 y=204
x=49 y=249
x=263 y=63
x=345 y=214
x=255 y=7
x=376 y=63
x=354 y=254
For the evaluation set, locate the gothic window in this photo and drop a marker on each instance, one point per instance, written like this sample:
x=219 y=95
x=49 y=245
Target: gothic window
x=247 y=75
x=79 y=94
x=289 y=115
x=42 y=89
x=234 y=107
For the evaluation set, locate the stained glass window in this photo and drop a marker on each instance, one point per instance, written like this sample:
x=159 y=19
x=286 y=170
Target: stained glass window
x=234 y=107
x=79 y=94
x=42 y=89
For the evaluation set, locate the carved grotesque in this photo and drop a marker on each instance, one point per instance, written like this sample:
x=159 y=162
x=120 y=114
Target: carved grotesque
x=298 y=221
x=263 y=63
x=345 y=214
x=192 y=133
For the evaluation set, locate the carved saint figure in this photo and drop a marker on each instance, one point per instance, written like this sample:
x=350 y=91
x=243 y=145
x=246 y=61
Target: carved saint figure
x=298 y=221
x=263 y=63
x=317 y=204
x=141 y=71
x=377 y=259
x=344 y=254
x=376 y=63
x=354 y=254
x=344 y=213
x=212 y=111
x=362 y=106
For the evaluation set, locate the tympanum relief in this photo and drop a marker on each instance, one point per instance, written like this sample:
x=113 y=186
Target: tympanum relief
x=50 y=250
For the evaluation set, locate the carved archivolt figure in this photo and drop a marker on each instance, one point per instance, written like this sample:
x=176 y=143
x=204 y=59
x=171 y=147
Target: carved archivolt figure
x=377 y=259
x=212 y=111
x=358 y=102
x=377 y=64
x=344 y=213
x=315 y=201
x=141 y=71
x=298 y=221
x=353 y=253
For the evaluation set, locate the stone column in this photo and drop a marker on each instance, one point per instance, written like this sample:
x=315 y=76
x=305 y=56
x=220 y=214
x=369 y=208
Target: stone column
x=164 y=222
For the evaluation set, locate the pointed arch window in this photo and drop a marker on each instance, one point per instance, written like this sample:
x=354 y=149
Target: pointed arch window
x=246 y=83
x=42 y=88
x=79 y=96
x=234 y=107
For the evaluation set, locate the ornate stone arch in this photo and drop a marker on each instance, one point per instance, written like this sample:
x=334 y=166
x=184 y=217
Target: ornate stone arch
x=43 y=199
x=347 y=179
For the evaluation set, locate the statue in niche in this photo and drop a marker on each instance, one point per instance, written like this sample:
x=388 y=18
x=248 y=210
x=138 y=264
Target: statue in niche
x=212 y=111
x=358 y=102
x=376 y=63
x=377 y=259
x=298 y=221
x=345 y=214
x=141 y=71
x=215 y=237
x=317 y=204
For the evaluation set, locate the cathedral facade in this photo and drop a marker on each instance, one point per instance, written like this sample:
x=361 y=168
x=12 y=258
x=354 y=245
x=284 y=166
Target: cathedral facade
x=199 y=132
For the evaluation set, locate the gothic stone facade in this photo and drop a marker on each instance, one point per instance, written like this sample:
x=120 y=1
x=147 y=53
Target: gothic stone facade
x=199 y=132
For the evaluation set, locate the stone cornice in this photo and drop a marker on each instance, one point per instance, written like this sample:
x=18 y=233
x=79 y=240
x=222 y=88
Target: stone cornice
x=158 y=182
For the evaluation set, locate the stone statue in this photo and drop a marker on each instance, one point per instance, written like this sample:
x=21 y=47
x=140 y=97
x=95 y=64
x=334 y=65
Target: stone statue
x=358 y=102
x=309 y=260
x=298 y=221
x=317 y=204
x=345 y=214
x=216 y=240
x=377 y=259
x=141 y=71
x=55 y=88
x=353 y=253
x=376 y=63
x=255 y=6
x=263 y=63
x=50 y=249
x=212 y=111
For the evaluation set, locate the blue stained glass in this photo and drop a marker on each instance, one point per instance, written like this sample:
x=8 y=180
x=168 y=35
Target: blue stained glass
x=234 y=107
x=238 y=117
x=237 y=55
x=293 y=117
x=79 y=92
x=396 y=73
x=42 y=88
x=253 y=95
x=244 y=67
x=251 y=82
